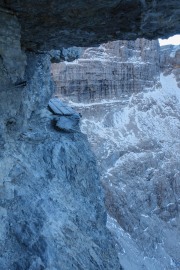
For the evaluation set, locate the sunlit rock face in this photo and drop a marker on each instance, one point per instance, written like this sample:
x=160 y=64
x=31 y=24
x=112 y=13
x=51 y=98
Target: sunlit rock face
x=111 y=71
x=136 y=139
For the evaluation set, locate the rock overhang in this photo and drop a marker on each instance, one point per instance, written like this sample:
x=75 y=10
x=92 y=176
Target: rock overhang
x=54 y=24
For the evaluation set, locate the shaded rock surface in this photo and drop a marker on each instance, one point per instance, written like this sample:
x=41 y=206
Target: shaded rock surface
x=51 y=210
x=10 y=47
x=65 y=117
x=51 y=205
x=136 y=139
x=50 y=23
x=111 y=71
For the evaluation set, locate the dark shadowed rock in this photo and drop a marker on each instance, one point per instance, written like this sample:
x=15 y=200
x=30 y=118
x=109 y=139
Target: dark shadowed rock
x=56 y=24
x=69 y=124
x=51 y=205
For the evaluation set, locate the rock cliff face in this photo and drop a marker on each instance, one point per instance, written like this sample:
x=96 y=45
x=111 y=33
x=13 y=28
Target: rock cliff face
x=13 y=57
x=51 y=205
x=170 y=61
x=136 y=140
x=110 y=71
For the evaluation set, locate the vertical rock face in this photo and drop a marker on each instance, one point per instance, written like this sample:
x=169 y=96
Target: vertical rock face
x=10 y=47
x=51 y=205
x=136 y=139
x=170 y=61
x=51 y=210
x=110 y=71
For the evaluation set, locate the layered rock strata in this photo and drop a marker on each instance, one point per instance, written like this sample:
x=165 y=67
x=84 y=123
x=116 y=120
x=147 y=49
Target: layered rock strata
x=136 y=140
x=52 y=214
x=110 y=71
x=170 y=61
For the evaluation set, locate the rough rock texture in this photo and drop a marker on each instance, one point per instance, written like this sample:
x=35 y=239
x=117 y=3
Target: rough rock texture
x=170 y=61
x=108 y=72
x=137 y=142
x=51 y=205
x=10 y=47
x=51 y=210
x=53 y=23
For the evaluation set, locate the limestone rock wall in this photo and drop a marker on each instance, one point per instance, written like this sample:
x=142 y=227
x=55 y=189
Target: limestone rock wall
x=170 y=61
x=110 y=71
x=13 y=57
x=137 y=144
x=51 y=204
x=136 y=139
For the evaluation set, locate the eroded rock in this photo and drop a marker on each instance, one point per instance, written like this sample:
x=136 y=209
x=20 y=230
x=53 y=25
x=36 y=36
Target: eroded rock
x=51 y=204
x=170 y=61
x=53 y=24
x=14 y=58
x=110 y=71
x=136 y=138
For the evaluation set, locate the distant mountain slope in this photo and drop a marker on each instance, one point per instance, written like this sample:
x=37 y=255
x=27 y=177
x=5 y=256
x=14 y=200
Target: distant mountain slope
x=138 y=149
x=109 y=71
x=136 y=138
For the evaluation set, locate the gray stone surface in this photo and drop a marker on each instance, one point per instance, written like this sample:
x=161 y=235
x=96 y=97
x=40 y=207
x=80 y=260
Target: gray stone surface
x=136 y=139
x=55 y=24
x=68 y=123
x=170 y=61
x=60 y=108
x=52 y=214
x=10 y=47
x=110 y=71
x=51 y=206
x=65 y=118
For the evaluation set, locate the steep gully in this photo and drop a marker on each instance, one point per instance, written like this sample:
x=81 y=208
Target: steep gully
x=51 y=204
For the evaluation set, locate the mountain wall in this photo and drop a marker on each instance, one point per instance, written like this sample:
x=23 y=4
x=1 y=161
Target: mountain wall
x=170 y=61
x=110 y=71
x=136 y=138
x=51 y=205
